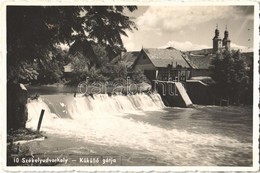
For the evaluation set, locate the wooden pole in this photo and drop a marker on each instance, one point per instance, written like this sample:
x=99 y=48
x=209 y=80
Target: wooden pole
x=40 y=120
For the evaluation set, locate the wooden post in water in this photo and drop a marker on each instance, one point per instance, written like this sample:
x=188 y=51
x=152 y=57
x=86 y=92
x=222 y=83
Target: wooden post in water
x=40 y=120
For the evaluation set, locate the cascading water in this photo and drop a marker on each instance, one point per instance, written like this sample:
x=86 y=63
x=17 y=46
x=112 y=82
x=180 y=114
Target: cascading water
x=106 y=120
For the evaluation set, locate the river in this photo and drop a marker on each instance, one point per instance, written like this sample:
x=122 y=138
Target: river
x=139 y=130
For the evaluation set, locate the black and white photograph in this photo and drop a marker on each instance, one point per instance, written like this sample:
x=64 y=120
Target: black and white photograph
x=119 y=85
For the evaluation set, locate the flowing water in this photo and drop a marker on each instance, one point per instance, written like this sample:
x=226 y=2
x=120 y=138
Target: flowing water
x=140 y=130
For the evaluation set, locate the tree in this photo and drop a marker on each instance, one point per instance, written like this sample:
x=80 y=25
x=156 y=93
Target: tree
x=34 y=34
x=229 y=72
x=82 y=68
x=34 y=31
x=138 y=76
x=51 y=70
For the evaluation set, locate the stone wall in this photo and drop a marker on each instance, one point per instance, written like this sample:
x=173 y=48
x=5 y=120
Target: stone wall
x=199 y=92
x=173 y=94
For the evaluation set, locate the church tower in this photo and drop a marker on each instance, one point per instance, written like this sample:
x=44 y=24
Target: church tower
x=216 y=41
x=226 y=41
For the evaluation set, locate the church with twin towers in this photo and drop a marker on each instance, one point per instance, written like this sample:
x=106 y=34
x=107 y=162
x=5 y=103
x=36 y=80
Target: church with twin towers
x=219 y=43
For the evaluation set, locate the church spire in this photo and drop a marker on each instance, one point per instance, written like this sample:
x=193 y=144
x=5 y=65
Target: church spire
x=226 y=33
x=226 y=41
x=216 y=40
x=216 y=31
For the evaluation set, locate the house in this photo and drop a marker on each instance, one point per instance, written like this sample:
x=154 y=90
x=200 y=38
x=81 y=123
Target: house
x=200 y=60
x=199 y=64
x=127 y=57
x=68 y=68
x=162 y=64
x=191 y=68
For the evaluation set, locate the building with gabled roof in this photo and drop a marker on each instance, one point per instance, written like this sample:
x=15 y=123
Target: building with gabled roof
x=162 y=64
x=127 y=57
x=199 y=61
x=192 y=68
x=164 y=57
x=199 y=64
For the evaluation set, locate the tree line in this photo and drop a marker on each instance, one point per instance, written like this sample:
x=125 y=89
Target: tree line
x=232 y=80
x=34 y=35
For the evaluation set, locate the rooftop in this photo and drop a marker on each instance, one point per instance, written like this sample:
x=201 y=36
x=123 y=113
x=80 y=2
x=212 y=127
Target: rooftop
x=164 y=57
x=130 y=57
x=199 y=61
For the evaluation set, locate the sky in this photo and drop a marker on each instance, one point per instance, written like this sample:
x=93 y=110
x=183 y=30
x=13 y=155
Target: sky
x=190 y=27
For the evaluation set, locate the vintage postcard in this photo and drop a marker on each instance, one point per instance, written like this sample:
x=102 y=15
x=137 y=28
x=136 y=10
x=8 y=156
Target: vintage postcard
x=129 y=86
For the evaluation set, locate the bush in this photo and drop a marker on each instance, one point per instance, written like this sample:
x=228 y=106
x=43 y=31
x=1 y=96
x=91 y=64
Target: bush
x=229 y=72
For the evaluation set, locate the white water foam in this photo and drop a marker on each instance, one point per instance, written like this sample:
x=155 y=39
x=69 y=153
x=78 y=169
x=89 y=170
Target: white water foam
x=100 y=121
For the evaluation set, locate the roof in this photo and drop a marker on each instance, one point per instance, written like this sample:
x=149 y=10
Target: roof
x=201 y=51
x=130 y=57
x=164 y=57
x=204 y=61
x=199 y=61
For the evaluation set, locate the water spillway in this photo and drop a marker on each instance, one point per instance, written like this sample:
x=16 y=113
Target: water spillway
x=141 y=126
x=67 y=106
